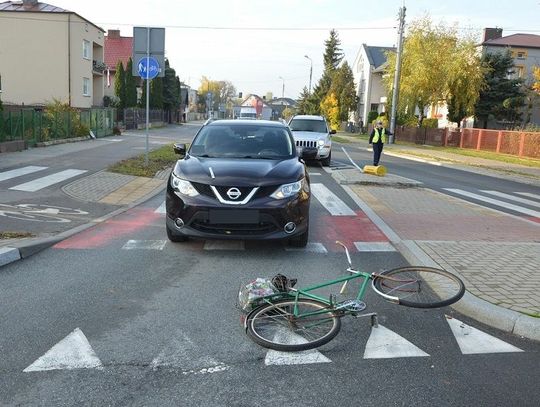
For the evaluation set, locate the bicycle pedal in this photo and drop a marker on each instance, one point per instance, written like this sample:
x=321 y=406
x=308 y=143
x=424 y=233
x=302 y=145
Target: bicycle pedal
x=352 y=305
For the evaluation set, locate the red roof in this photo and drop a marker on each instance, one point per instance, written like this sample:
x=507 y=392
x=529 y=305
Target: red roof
x=516 y=40
x=117 y=49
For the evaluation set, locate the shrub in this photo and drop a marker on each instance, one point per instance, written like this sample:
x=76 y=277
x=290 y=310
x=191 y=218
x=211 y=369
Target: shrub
x=116 y=131
x=430 y=123
x=372 y=116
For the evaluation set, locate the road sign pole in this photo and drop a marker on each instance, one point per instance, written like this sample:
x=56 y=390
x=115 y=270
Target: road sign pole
x=147 y=92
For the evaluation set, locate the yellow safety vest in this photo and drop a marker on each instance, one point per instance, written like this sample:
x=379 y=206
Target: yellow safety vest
x=377 y=135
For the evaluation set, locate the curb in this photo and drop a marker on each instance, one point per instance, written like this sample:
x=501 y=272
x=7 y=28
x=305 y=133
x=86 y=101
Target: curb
x=490 y=314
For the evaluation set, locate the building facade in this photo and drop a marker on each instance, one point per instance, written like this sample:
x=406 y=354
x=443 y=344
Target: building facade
x=368 y=69
x=117 y=49
x=49 y=53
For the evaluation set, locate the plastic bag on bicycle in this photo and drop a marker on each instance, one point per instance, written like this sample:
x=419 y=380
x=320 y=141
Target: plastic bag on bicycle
x=251 y=294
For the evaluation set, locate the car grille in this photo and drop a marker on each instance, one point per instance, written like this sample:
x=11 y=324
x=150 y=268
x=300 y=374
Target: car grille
x=306 y=143
x=204 y=189
x=264 y=226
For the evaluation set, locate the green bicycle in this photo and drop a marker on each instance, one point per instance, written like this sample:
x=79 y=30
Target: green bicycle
x=295 y=319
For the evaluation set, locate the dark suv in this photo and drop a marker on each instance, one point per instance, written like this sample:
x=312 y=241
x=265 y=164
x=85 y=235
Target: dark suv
x=240 y=180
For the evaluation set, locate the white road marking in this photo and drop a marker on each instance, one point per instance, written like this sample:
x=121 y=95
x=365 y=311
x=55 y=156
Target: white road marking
x=19 y=172
x=513 y=198
x=314 y=173
x=274 y=357
x=330 y=201
x=410 y=158
x=374 y=247
x=473 y=341
x=224 y=245
x=311 y=248
x=384 y=344
x=351 y=160
x=161 y=208
x=495 y=202
x=180 y=353
x=49 y=180
x=144 y=244
x=530 y=195
x=72 y=352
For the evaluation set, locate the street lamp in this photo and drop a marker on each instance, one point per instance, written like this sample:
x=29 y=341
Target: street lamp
x=310 y=71
x=283 y=88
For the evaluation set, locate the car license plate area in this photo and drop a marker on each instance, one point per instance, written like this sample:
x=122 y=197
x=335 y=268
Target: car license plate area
x=233 y=216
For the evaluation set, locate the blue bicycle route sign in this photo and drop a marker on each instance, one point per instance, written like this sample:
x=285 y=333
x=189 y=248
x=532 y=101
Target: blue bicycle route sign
x=148 y=68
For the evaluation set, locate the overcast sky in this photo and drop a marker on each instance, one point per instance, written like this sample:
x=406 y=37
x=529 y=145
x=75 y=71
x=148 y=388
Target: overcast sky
x=252 y=43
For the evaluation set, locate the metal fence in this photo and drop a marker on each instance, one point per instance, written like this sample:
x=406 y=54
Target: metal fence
x=135 y=118
x=38 y=126
x=518 y=143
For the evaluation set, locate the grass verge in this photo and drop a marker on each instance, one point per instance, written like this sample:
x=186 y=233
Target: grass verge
x=158 y=160
x=15 y=235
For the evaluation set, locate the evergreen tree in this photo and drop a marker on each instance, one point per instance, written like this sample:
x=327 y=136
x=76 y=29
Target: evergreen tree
x=120 y=85
x=503 y=96
x=170 y=90
x=131 y=86
x=156 y=93
x=142 y=101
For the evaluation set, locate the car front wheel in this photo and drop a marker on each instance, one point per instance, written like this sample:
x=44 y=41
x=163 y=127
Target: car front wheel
x=326 y=161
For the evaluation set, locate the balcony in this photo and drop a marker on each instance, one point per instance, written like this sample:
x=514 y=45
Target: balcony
x=98 y=66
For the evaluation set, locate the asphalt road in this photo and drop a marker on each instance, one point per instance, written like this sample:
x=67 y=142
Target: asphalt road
x=161 y=323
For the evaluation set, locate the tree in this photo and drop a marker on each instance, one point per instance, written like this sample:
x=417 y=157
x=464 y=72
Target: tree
x=305 y=105
x=343 y=87
x=331 y=58
x=222 y=92
x=503 y=95
x=171 y=91
x=156 y=93
x=437 y=65
x=536 y=79
x=131 y=86
x=330 y=109
x=120 y=85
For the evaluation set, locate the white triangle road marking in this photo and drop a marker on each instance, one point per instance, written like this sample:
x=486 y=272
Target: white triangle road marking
x=72 y=352
x=181 y=353
x=385 y=344
x=274 y=357
x=161 y=208
x=474 y=341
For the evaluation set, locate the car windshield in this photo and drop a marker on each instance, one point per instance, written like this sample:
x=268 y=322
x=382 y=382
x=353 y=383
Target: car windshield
x=253 y=141
x=318 y=126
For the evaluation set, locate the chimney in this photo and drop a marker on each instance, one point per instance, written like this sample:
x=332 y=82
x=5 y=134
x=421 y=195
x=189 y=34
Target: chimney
x=27 y=4
x=113 y=33
x=492 y=33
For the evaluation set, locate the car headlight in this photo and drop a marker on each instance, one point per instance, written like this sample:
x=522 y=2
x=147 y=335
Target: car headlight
x=182 y=186
x=321 y=143
x=288 y=190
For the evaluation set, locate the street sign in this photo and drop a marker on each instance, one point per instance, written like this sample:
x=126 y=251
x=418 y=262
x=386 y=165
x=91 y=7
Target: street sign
x=148 y=68
x=148 y=41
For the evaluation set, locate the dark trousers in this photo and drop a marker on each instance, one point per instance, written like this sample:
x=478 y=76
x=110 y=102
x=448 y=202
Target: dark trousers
x=377 y=150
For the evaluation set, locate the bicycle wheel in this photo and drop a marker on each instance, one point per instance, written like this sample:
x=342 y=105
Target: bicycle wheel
x=274 y=326
x=419 y=287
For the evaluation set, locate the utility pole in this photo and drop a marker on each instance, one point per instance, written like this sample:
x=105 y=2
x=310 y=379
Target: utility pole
x=310 y=72
x=395 y=92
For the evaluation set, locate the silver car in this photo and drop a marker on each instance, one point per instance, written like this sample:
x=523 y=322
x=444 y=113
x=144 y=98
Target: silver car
x=313 y=131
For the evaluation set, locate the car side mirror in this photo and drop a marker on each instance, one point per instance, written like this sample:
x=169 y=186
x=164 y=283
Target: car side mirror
x=179 y=148
x=309 y=153
x=332 y=131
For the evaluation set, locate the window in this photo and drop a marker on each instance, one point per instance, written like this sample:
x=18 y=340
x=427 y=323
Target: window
x=86 y=49
x=519 y=54
x=86 y=87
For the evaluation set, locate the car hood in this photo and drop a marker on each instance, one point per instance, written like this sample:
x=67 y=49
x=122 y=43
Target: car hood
x=309 y=135
x=238 y=171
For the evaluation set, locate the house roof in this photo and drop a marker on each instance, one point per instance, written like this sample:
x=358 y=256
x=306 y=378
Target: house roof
x=515 y=40
x=376 y=55
x=19 y=6
x=282 y=101
x=117 y=49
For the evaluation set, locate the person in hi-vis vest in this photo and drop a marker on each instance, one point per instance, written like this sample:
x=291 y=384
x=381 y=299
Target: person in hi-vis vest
x=377 y=138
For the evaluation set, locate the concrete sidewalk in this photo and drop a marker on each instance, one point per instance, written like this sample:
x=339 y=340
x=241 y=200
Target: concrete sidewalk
x=497 y=255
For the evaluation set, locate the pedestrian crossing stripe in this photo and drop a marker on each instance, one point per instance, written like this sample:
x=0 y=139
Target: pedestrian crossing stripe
x=514 y=198
x=495 y=202
x=374 y=247
x=145 y=244
x=385 y=344
x=43 y=182
x=20 y=172
x=72 y=352
x=474 y=341
x=330 y=201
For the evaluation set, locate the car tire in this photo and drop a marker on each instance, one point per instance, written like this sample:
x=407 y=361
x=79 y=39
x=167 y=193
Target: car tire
x=175 y=238
x=326 y=161
x=300 y=240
